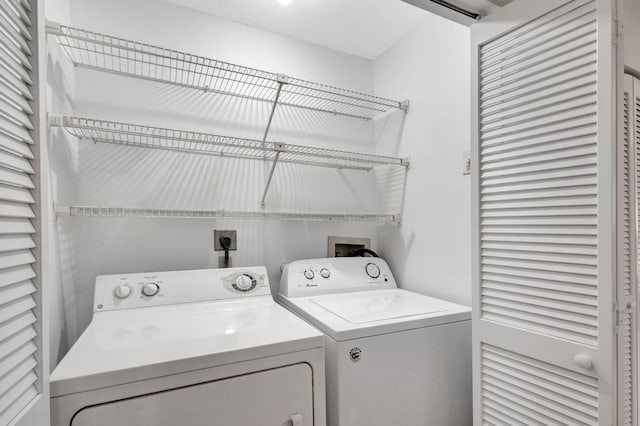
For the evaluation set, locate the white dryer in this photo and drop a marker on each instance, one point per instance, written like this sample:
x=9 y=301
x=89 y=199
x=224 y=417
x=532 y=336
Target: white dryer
x=191 y=348
x=393 y=357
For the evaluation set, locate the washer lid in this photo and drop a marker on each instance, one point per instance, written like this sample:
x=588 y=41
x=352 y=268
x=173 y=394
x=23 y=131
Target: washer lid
x=369 y=306
x=354 y=315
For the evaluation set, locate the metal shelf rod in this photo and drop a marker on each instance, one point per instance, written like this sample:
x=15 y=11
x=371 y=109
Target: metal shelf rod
x=282 y=80
x=273 y=108
x=266 y=188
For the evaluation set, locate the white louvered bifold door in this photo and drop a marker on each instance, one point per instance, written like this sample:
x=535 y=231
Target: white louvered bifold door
x=544 y=155
x=628 y=161
x=630 y=367
x=20 y=366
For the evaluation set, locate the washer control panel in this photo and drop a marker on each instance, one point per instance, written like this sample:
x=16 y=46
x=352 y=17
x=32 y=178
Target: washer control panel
x=165 y=288
x=331 y=275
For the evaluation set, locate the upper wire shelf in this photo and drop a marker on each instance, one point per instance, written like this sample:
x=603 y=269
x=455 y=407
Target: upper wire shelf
x=203 y=143
x=125 y=57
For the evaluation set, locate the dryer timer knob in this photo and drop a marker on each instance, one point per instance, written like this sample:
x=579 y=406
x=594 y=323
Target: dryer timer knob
x=150 y=289
x=244 y=282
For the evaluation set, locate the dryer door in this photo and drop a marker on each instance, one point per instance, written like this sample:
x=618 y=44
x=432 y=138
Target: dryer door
x=272 y=397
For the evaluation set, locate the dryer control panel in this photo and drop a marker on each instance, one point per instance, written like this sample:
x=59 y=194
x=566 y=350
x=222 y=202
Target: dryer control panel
x=334 y=275
x=138 y=290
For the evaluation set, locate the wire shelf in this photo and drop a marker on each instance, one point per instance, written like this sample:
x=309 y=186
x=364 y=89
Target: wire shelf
x=202 y=143
x=135 y=212
x=125 y=57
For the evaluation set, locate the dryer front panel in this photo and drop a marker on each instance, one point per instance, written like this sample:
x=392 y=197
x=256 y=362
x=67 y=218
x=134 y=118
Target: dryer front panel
x=272 y=397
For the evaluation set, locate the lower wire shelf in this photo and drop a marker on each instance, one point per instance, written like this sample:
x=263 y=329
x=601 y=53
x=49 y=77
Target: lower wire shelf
x=137 y=212
x=137 y=135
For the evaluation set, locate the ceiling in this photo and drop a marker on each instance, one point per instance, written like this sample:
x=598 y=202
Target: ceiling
x=363 y=28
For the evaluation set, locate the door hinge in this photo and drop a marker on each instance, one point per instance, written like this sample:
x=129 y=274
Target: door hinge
x=619 y=31
x=619 y=311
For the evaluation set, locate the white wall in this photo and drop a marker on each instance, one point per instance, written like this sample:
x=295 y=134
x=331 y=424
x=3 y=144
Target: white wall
x=431 y=251
x=632 y=34
x=99 y=174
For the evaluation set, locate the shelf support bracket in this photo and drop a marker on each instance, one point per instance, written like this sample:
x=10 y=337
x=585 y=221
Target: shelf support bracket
x=279 y=148
x=52 y=27
x=282 y=80
x=61 y=210
x=55 y=120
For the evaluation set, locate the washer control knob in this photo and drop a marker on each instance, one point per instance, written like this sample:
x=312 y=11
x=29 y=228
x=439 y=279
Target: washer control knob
x=244 y=283
x=324 y=273
x=150 y=289
x=372 y=270
x=122 y=291
x=308 y=274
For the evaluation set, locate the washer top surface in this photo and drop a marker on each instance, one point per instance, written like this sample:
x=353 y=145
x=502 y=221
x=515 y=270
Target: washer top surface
x=371 y=306
x=374 y=312
x=354 y=299
x=137 y=338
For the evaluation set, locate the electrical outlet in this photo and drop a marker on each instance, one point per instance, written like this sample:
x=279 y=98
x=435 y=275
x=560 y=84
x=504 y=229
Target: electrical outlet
x=231 y=233
x=466 y=162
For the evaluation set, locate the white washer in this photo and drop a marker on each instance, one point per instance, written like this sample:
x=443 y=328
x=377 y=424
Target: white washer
x=191 y=348
x=393 y=357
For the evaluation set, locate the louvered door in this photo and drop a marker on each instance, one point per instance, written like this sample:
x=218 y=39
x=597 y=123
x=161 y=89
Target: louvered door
x=628 y=238
x=543 y=186
x=20 y=316
x=629 y=367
